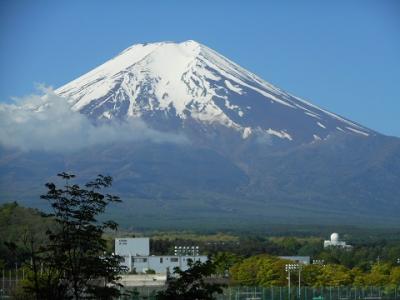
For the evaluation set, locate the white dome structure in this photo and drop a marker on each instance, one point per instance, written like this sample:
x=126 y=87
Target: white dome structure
x=334 y=237
x=336 y=242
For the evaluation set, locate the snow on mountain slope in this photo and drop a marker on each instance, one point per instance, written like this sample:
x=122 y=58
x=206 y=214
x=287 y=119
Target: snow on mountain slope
x=189 y=81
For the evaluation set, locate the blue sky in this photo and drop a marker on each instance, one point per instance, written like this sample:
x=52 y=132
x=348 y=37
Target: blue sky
x=341 y=55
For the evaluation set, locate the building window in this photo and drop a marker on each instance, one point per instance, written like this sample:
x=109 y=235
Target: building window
x=122 y=242
x=174 y=259
x=140 y=260
x=161 y=260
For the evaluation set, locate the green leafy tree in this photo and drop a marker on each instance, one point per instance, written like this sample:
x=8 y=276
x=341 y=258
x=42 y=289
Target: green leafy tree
x=194 y=283
x=311 y=248
x=245 y=272
x=310 y=273
x=18 y=225
x=379 y=275
x=272 y=272
x=74 y=263
x=290 y=246
x=358 y=277
x=224 y=261
x=334 y=275
x=395 y=276
x=261 y=270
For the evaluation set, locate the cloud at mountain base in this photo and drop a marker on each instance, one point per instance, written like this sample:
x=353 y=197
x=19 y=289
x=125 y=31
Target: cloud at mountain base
x=46 y=122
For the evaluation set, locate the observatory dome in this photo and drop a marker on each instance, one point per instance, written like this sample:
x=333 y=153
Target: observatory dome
x=335 y=237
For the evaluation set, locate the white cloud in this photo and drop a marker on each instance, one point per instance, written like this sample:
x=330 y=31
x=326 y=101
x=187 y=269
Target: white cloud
x=46 y=122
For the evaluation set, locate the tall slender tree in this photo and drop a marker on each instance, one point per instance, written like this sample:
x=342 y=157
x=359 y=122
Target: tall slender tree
x=75 y=262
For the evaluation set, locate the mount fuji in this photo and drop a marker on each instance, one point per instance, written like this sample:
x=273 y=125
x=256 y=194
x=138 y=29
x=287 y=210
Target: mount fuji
x=189 y=82
x=253 y=153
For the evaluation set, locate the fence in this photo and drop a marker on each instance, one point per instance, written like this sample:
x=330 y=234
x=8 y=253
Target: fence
x=310 y=293
x=282 y=293
x=9 y=280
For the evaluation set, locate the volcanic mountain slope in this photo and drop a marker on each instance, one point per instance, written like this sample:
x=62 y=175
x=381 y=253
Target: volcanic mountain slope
x=253 y=152
x=187 y=83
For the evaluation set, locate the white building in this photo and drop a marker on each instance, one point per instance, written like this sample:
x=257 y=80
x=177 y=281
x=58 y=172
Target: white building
x=304 y=260
x=132 y=246
x=336 y=242
x=136 y=255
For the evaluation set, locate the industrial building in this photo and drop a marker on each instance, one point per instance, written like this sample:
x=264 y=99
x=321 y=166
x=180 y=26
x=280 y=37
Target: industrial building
x=136 y=256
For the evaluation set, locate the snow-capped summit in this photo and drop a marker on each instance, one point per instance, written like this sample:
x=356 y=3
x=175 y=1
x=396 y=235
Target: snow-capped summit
x=189 y=82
